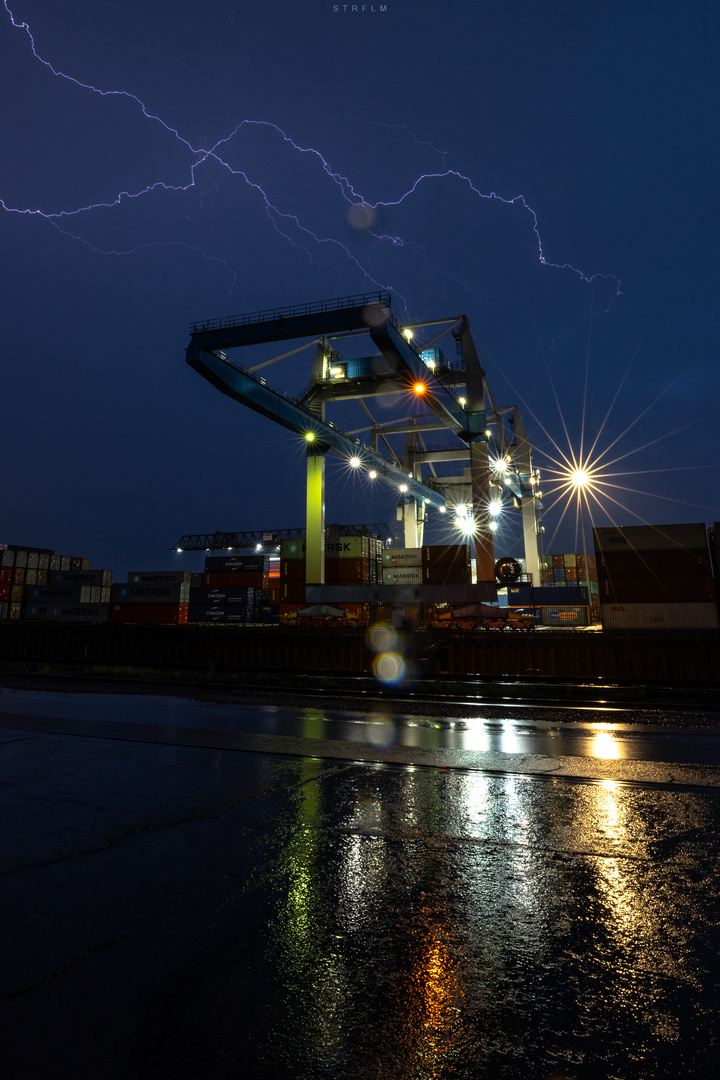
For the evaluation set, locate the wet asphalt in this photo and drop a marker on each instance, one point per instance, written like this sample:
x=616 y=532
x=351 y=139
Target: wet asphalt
x=193 y=890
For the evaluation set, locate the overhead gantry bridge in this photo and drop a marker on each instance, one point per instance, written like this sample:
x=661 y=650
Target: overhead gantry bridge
x=397 y=366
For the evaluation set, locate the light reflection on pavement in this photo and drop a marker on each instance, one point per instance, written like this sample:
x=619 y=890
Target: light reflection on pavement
x=185 y=911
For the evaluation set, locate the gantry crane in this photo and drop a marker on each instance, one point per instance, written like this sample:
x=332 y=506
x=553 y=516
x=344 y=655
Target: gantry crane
x=397 y=365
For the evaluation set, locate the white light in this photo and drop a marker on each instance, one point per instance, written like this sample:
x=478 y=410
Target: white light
x=462 y=401
x=309 y=436
x=372 y=474
x=461 y=510
x=403 y=487
x=580 y=478
x=499 y=465
x=442 y=509
x=407 y=334
x=258 y=547
x=178 y=549
x=336 y=373
x=493 y=525
x=354 y=461
x=495 y=507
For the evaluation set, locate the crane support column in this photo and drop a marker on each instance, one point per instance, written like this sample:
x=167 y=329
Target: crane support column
x=480 y=480
x=315 y=516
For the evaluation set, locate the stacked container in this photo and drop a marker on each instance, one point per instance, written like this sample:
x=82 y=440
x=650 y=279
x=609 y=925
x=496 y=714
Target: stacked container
x=157 y=597
x=31 y=589
x=349 y=560
x=236 y=589
x=402 y=566
x=655 y=577
x=446 y=564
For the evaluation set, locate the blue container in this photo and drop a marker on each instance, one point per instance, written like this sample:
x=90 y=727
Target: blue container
x=242 y=564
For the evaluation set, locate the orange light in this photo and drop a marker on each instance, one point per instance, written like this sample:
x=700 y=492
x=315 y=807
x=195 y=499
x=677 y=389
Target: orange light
x=419 y=388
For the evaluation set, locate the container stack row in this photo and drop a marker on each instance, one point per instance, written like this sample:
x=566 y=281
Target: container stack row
x=656 y=577
x=235 y=589
x=434 y=564
x=35 y=583
x=349 y=560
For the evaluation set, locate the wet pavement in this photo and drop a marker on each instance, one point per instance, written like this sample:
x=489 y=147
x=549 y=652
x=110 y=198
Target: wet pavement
x=199 y=891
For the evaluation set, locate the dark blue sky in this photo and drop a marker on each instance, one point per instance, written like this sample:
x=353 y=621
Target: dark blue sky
x=604 y=118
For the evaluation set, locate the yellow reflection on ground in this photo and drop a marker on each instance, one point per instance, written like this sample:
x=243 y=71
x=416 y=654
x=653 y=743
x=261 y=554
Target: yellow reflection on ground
x=606 y=745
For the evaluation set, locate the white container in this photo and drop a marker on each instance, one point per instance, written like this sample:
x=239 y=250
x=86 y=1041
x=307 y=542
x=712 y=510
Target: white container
x=659 y=617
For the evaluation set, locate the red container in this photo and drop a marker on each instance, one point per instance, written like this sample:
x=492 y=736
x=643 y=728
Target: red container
x=292 y=569
x=678 y=562
x=157 y=614
x=292 y=592
x=254 y=580
x=442 y=554
x=347 y=571
x=6 y=575
x=5 y=591
x=447 y=574
x=648 y=590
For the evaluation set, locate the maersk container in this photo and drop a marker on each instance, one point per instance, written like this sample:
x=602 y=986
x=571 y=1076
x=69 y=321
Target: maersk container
x=237 y=564
x=49 y=594
x=80 y=577
x=67 y=612
x=155 y=577
x=402 y=575
x=659 y=616
x=402 y=557
x=150 y=594
x=342 y=547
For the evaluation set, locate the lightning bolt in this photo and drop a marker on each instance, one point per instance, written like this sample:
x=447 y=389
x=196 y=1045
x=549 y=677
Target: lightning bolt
x=287 y=224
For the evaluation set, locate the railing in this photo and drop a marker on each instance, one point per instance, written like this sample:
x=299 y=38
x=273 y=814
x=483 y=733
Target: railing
x=276 y=314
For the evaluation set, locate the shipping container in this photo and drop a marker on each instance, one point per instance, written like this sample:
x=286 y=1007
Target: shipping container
x=447 y=574
x=217 y=613
x=5 y=591
x=347 y=571
x=660 y=617
x=644 y=538
x=19 y=575
x=154 y=577
x=292 y=592
x=7 y=558
x=342 y=547
x=150 y=594
x=4 y=610
x=565 y=616
x=17 y=592
x=15 y=609
x=292 y=569
x=152 y=613
x=441 y=554
x=237 y=564
x=80 y=577
x=402 y=557
x=49 y=594
x=649 y=590
x=674 y=562
x=242 y=597
x=402 y=575
x=233 y=581
x=67 y=612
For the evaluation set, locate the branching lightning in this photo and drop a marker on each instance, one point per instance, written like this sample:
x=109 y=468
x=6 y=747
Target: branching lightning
x=287 y=224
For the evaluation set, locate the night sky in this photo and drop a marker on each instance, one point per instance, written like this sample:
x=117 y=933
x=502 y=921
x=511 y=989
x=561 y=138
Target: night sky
x=211 y=173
